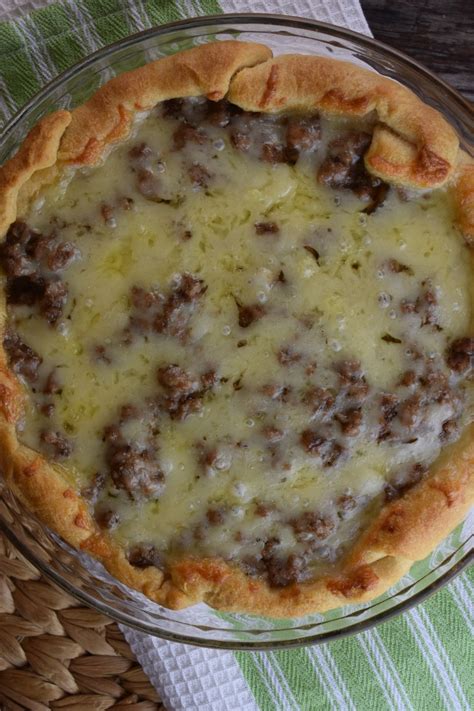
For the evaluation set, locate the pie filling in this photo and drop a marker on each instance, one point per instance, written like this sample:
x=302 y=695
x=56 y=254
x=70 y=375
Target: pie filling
x=235 y=341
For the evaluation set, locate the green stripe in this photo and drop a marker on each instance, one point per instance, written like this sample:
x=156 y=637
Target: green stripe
x=37 y=48
x=354 y=667
x=16 y=67
x=282 y=680
x=253 y=677
x=109 y=19
x=161 y=13
x=64 y=42
x=409 y=660
x=209 y=7
x=141 y=12
x=304 y=684
x=450 y=625
x=58 y=29
x=425 y=676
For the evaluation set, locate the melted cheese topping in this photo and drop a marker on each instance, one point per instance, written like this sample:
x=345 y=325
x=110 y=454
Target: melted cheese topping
x=240 y=472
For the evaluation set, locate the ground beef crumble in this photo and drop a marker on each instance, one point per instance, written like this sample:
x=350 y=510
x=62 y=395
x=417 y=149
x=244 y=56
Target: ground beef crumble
x=334 y=414
x=272 y=434
x=275 y=153
x=449 y=431
x=215 y=516
x=23 y=360
x=132 y=464
x=52 y=385
x=144 y=164
x=168 y=314
x=249 y=313
x=279 y=570
x=310 y=529
x=183 y=392
x=282 y=571
x=350 y=421
x=312 y=526
x=56 y=444
x=266 y=228
x=396 y=267
x=328 y=449
x=460 y=355
x=144 y=555
x=276 y=391
x=352 y=379
x=106 y=518
x=320 y=400
x=199 y=176
x=408 y=378
x=302 y=133
x=345 y=504
x=215 y=458
x=343 y=167
x=188 y=134
x=287 y=356
x=32 y=263
x=92 y=491
x=403 y=481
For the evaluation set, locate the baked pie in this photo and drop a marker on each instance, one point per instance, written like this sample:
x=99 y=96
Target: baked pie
x=238 y=329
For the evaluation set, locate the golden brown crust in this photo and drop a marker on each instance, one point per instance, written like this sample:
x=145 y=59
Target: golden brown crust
x=107 y=116
x=413 y=525
x=38 y=152
x=46 y=491
x=227 y=588
x=412 y=145
x=464 y=197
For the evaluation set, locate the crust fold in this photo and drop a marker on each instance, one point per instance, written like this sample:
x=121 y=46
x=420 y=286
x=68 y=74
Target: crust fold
x=37 y=152
x=107 y=116
x=412 y=144
x=464 y=198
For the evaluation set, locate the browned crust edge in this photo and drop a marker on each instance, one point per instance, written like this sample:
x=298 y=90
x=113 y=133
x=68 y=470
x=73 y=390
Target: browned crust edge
x=107 y=116
x=38 y=153
x=463 y=194
x=81 y=137
x=412 y=146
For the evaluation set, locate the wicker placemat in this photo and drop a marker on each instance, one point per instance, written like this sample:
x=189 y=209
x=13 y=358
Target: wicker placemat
x=55 y=654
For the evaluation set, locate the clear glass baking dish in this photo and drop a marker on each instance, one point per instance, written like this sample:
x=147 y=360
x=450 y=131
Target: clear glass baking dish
x=82 y=577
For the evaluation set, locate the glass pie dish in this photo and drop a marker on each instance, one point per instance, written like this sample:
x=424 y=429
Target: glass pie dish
x=81 y=576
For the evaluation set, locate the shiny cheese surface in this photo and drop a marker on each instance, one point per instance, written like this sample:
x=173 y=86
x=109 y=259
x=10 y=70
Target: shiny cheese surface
x=239 y=472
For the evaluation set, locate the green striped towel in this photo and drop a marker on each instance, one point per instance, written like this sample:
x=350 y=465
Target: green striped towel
x=421 y=660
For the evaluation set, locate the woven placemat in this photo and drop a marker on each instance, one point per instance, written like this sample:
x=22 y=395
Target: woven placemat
x=55 y=654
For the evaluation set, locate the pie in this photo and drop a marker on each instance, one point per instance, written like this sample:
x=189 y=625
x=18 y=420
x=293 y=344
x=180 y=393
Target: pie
x=238 y=329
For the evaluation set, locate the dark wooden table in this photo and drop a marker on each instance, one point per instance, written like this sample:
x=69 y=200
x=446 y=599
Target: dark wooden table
x=437 y=33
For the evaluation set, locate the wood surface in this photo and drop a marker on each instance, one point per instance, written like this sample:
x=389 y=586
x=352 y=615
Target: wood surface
x=437 y=33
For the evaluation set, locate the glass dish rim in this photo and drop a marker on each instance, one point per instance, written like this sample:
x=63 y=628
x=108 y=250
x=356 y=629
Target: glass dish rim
x=462 y=107
x=296 y=22
x=242 y=646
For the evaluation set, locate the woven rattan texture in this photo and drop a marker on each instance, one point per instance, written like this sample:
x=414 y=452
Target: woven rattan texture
x=56 y=655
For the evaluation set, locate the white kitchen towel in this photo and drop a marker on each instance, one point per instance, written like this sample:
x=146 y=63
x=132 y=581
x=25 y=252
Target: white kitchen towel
x=190 y=678
x=345 y=13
